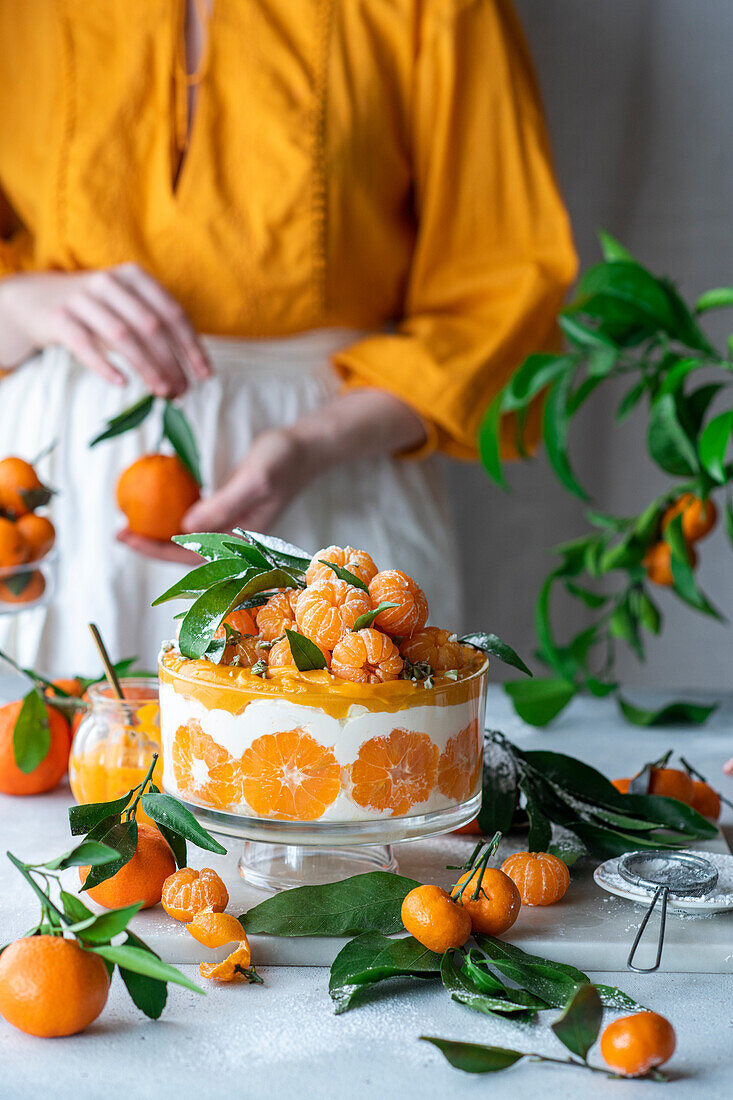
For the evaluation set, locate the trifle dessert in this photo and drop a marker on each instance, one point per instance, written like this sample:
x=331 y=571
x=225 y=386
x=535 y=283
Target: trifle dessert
x=321 y=697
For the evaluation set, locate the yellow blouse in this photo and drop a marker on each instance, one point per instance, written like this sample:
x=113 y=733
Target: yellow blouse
x=380 y=164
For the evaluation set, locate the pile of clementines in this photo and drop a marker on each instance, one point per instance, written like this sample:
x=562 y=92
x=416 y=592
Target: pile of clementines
x=684 y=785
x=698 y=519
x=327 y=612
x=25 y=536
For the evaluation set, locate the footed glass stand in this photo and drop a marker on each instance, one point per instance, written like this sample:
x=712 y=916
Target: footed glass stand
x=283 y=866
x=279 y=855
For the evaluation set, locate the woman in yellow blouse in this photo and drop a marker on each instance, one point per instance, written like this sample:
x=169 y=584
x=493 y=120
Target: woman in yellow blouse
x=330 y=227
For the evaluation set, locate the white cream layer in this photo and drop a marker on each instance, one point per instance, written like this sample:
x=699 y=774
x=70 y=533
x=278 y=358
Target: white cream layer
x=344 y=736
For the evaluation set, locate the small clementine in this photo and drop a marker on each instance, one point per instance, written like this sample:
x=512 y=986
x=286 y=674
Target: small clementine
x=634 y=1045
x=155 y=493
x=141 y=878
x=541 y=878
x=496 y=905
x=429 y=914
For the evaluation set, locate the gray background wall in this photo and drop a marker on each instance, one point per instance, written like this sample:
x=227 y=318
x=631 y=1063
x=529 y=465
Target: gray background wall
x=638 y=99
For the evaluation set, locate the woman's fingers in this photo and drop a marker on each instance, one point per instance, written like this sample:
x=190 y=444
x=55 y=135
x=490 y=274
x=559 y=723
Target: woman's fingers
x=117 y=335
x=177 y=327
x=153 y=548
x=75 y=336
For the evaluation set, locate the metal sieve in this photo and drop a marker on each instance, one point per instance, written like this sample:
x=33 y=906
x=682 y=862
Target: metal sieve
x=663 y=873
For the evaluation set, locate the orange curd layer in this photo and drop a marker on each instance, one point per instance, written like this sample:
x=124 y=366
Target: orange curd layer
x=227 y=688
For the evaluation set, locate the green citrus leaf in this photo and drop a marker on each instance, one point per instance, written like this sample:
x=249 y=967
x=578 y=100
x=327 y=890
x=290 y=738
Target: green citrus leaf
x=144 y=961
x=346 y=575
x=204 y=577
x=168 y=811
x=536 y=373
x=372 y=958
x=177 y=430
x=306 y=654
x=613 y=251
x=495 y=647
x=713 y=445
x=106 y=926
x=555 y=432
x=489 y=442
x=368 y=617
x=31 y=734
x=578 y=1027
x=122 y=836
x=148 y=994
x=679 y=712
x=85 y=817
x=719 y=298
x=474 y=1057
x=126 y=420
x=537 y=702
x=214 y=546
x=89 y=852
x=668 y=443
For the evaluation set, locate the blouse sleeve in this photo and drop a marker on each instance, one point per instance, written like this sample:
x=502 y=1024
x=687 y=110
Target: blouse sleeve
x=494 y=253
x=14 y=240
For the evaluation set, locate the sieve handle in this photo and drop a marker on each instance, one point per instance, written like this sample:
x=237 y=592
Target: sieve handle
x=663 y=893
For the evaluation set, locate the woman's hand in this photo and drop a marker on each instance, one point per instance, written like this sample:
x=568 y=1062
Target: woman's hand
x=363 y=423
x=120 y=309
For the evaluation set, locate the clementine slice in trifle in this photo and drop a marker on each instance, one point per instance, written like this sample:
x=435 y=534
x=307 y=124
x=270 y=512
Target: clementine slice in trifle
x=344 y=711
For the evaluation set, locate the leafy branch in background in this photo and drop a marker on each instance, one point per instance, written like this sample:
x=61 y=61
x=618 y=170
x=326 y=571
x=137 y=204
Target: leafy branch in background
x=175 y=428
x=625 y=323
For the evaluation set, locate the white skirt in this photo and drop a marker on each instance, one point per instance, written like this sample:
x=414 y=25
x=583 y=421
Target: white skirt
x=397 y=510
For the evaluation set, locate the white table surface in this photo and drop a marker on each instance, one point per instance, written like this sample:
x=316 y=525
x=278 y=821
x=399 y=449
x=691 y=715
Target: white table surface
x=282 y=1039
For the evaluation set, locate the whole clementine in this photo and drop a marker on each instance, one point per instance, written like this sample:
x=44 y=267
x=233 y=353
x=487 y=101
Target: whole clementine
x=636 y=1044
x=155 y=493
x=698 y=517
x=433 y=918
x=497 y=905
x=142 y=878
x=672 y=783
x=39 y=534
x=23 y=587
x=471 y=829
x=17 y=477
x=53 y=766
x=187 y=891
x=14 y=550
x=658 y=563
x=705 y=800
x=50 y=986
x=541 y=878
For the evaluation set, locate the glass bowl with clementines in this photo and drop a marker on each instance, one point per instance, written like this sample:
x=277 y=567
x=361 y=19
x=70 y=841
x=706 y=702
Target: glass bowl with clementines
x=28 y=558
x=306 y=700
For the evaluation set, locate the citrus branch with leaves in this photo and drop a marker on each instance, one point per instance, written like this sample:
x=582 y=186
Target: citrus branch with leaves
x=625 y=323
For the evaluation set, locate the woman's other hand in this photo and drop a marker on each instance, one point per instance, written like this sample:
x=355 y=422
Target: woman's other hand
x=120 y=309
x=362 y=423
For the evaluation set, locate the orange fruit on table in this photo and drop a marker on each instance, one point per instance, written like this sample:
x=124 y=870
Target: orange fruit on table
x=435 y=646
x=672 y=783
x=366 y=657
x=215 y=929
x=498 y=903
x=705 y=800
x=232 y=968
x=395 y=772
x=357 y=562
x=471 y=829
x=14 y=550
x=278 y=614
x=327 y=610
x=23 y=587
x=196 y=755
x=636 y=1044
x=39 y=534
x=698 y=517
x=50 y=986
x=460 y=764
x=411 y=613
x=290 y=776
x=187 y=891
x=141 y=878
x=155 y=493
x=53 y=766
x=17 y=477
x=621 y=785
x=658 y=563
x=434 y=920
x=541 y=878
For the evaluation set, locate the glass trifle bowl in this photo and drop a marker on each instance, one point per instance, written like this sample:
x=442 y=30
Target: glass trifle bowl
x=321 y=775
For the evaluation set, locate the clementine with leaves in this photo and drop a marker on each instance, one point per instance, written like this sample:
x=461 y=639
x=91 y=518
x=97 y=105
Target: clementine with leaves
x=19 y=484
x=357 y=562
x=50 y=986
x=541 y=878
x=671 y=783
x=290 y=776
x=436 y=646
x=705 y=800
x=411 y=613
x=698 y=517
x=366 y=657
x=490 y=898
x=327 y=610
x=658 y=563
x=187 y=891
x=277 y=615
x=429 y=914
x=395 y=772
x=634 y=1045
x=50 y=770
x=142 y=878
x=154 y=493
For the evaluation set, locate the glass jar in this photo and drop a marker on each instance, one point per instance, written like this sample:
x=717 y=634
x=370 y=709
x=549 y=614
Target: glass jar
x=115 y=741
